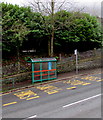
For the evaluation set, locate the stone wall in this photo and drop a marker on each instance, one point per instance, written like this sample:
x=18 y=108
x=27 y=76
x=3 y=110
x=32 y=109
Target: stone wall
x=89 y=63
x=86 y=60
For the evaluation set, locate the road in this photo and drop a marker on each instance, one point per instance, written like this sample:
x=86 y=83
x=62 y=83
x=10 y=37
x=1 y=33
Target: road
x=78 y=97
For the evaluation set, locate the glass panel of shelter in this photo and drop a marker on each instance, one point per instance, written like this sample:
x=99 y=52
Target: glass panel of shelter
x=44 y=71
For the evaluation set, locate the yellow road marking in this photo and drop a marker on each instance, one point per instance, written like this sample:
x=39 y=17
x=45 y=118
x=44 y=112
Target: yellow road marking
x=33 y=98
x=71 y=88
x=86 y=84
x=91 y=78
x=76 y=82
x=53 y=92
x=99 y=80
x=25 y=94
x=49 y=89
x=1 y=94
x=45 y=87
x=9 y=103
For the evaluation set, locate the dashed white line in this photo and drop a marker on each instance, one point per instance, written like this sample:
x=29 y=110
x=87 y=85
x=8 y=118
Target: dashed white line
x=34 y=116
x=81 y=100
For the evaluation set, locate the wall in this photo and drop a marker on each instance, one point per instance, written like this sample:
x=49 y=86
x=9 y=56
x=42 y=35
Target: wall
x=86 y=60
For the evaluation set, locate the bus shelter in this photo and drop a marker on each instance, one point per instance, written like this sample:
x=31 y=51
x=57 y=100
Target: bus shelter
x=43 y=69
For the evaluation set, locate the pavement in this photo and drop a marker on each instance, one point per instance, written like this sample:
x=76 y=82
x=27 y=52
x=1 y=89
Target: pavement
x=60 y=77
x=70 y=96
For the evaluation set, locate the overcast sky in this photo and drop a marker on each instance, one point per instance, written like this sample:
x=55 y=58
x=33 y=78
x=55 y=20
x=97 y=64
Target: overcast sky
x=91 y=6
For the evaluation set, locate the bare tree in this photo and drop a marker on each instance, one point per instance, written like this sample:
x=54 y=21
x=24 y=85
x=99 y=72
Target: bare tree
x=49 y=7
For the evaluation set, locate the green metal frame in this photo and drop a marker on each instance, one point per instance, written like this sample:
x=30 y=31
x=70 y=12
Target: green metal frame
x=32 y=72
x=41 y=70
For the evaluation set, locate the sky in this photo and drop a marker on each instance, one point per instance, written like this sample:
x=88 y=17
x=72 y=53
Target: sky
x=91 y=6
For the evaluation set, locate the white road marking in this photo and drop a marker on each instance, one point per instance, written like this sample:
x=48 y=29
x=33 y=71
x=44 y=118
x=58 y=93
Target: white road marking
x=30 y=117
x=81 y=101
x=33 y=116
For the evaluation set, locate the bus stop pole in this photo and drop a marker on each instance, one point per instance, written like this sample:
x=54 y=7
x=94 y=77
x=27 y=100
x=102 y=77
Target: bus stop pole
x=76 y=64
x=75 y=52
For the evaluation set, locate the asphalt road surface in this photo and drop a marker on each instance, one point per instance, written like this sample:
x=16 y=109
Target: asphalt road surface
x=77 y=97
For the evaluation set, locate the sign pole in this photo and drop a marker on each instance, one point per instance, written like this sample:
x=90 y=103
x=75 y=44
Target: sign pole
x=75 y=52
